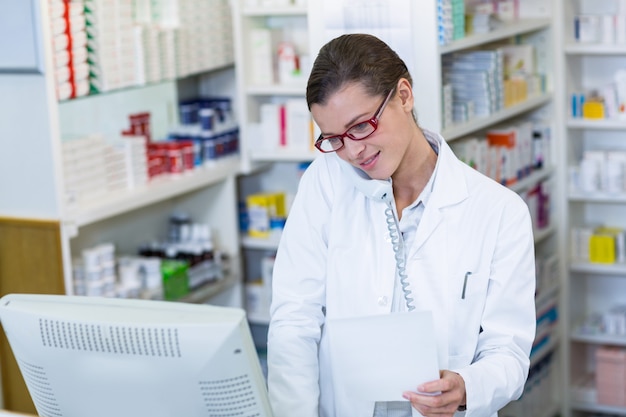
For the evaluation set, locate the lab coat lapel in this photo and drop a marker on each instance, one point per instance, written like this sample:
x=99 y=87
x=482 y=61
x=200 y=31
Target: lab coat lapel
x=449 y=189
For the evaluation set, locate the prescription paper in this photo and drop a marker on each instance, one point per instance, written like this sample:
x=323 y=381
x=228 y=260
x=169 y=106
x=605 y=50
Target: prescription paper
x=377 y=358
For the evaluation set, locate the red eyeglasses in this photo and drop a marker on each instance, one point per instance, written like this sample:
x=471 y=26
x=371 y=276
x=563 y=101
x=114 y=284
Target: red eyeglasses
x=358 y=131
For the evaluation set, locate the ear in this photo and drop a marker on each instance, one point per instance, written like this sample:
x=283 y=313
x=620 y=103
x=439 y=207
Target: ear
x=405 y=92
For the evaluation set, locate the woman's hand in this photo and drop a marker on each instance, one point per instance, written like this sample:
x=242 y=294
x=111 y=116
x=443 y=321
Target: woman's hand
x=452 y=388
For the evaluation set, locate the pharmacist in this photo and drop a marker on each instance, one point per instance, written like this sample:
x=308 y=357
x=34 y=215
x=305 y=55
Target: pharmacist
x=468 y=240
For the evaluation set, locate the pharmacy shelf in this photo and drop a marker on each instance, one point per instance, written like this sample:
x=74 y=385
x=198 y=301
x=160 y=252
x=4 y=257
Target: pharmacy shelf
x=269 y=243
x=542 y=234
x=547 y=297
x=598 y=124
x=266 y=11
x=529 y=181
x=598 y=339
x=598 y=408
x=207 y=291
x=594 y=49
x=544 y=351
x=597 y=198
x=476 y=124
x=159 y=189
x=123 y=90
x=508 y=30
x=594 y=268
x=276 y=90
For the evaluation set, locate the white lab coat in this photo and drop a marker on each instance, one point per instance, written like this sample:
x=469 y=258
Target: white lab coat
x=335 y=260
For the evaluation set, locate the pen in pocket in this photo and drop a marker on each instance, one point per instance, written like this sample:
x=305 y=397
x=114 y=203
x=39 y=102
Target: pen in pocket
x=467 y=274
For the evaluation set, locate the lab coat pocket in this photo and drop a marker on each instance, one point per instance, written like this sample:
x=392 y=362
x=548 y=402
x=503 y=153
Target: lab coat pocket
x=467 y=311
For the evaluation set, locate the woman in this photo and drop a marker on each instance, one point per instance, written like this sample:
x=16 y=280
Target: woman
x=468 y=244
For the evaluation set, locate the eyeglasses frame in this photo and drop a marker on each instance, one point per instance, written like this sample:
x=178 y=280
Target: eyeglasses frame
x=373 y=121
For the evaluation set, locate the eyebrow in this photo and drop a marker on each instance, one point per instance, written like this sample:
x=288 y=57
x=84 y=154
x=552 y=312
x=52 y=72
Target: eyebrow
x=349 y=124
x=355 y=119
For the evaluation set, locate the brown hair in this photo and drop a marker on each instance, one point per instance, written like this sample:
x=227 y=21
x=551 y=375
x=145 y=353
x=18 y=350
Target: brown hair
x=355 y=58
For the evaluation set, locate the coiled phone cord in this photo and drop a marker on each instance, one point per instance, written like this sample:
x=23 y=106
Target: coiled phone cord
x=398 y=249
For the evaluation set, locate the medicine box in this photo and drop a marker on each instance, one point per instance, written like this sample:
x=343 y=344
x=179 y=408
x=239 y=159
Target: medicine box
x=175 y=280
x=606 y=245
x=593 y=110
x=611 y=376
x=602 y=248
x=264 y=211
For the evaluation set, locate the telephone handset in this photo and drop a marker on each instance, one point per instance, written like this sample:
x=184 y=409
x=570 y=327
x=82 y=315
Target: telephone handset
x=381 y=190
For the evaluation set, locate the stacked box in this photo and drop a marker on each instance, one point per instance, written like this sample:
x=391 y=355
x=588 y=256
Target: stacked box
x=451 y=20
x=458 y=19
x=84 y=170
x=611 y=376
x=447 y=105
x=444 y=21
x=93 y=167
x=110 y=43
x=476 y=76
x=266 y=212
x=147 y=41
x=115 y=169
x=94 y=272
x=136 y=160
x=167 y=45
x=183 y=52
x=163 y=25
x=259 y=292
x=203 y=46
x=69 y=40
x=165 y=13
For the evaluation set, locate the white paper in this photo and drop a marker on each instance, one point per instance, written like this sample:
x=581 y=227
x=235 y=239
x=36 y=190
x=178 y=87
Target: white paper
x=377 y=358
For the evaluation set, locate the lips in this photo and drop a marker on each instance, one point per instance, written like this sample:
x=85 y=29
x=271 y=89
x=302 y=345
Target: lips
x=369 y=163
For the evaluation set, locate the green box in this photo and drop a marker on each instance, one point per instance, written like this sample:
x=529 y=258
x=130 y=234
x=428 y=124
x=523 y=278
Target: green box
x=175 y=279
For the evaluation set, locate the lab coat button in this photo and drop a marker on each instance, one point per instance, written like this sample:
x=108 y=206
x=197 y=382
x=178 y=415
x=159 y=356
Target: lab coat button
x=382 y=301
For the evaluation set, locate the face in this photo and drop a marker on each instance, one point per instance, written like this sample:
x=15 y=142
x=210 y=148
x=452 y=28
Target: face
x=380 y=153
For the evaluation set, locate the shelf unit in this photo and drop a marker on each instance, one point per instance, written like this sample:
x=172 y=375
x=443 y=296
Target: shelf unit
x=270 y=167
x=287 y=23
x=589 y=288
x=41 y=233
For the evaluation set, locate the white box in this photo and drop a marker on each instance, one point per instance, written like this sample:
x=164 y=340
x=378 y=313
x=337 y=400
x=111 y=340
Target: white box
x=589 y=28
x=298 y=124
x=270 y=129
x=262 y=64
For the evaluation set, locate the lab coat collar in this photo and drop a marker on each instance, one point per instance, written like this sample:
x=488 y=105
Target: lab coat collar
x=449 y=188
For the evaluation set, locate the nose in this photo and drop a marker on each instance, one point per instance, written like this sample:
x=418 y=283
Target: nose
x=352 y=148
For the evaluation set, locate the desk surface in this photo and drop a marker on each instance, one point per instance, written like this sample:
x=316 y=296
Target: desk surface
x=5 y=413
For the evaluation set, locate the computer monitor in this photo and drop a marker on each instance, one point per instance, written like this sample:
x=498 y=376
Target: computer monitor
x=90 y=356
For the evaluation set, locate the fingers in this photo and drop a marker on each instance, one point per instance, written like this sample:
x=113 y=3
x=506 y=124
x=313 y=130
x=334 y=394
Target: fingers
x=439 y=398
x=428 y=405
